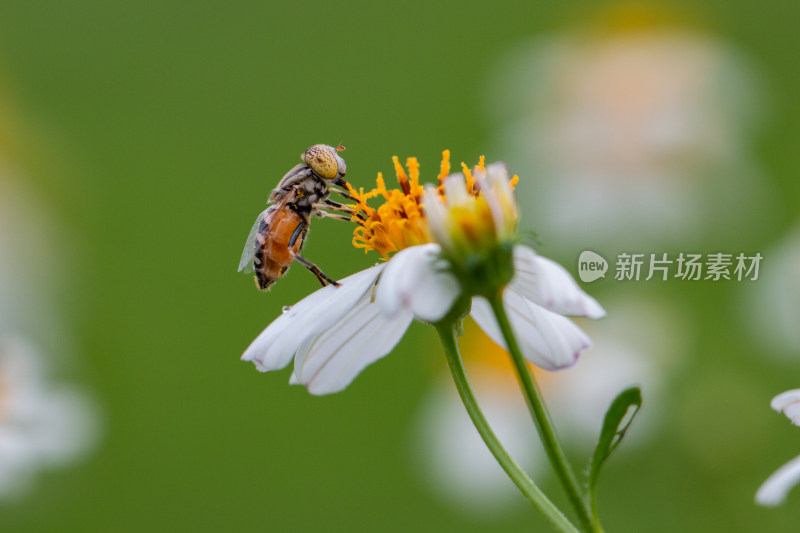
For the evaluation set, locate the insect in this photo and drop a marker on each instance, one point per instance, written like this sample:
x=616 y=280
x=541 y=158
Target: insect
x=279 y=232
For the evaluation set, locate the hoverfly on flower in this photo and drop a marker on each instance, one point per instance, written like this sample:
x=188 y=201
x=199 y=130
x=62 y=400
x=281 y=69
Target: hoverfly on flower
x=449 y=251
x=279 y=232
x=428 y=238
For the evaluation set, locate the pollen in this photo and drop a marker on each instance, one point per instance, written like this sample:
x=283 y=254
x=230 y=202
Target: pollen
x=444 y=169
x=399 y=221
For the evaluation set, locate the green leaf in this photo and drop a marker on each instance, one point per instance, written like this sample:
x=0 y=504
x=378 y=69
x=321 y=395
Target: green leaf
x=616 y=423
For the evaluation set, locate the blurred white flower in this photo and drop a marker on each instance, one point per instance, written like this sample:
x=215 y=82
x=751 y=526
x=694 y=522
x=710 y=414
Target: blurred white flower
x=772 y=309
x=774 y=490
x=634 y=345
x=42 y=424
x=639 y=343
x=636 y=137
x=450 y=454
x=28 y=246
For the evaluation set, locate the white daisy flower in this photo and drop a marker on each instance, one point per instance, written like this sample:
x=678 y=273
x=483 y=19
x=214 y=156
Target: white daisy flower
x=446 y=243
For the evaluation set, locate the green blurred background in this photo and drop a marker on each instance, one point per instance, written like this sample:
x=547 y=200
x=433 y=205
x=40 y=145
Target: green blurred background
x=153 y=133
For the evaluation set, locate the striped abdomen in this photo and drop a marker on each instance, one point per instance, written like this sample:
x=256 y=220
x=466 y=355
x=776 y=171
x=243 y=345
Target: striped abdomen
x=280 y=236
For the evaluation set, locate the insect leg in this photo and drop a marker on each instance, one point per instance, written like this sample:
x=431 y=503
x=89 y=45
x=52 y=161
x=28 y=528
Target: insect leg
x=321 y=276
x=338 y=207
x=341 y=208
x=342 y=193
x=337 y=216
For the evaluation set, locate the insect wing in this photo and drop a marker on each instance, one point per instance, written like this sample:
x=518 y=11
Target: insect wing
x=246 y=263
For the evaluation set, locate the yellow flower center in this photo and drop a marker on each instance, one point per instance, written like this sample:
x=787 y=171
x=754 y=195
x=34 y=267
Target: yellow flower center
x=399 y=222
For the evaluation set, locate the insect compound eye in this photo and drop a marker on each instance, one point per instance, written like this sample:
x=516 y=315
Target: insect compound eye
x=324 y=161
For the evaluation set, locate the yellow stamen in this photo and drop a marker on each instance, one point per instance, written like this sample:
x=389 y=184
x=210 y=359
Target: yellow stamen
x=402 y=178
x=399 y=222
x=362 y=198
x=468 y=178
x=445 y=168
x=381 y=189
x=413 y=172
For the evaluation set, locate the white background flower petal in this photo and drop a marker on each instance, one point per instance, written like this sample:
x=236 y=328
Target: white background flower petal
x=328 y=362
x=18 y=462
x=275 y=346
x=788 y=403
x=412 y=280
x=42 y=423
x=774 y=490
x=547 y=339
x=549 y=285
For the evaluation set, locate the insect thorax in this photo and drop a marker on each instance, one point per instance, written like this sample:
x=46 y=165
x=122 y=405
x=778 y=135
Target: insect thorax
x=303 y=187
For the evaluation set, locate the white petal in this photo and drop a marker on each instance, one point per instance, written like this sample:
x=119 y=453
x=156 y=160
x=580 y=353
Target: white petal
x=415 y=279
x=436 y=213
x=498 y=180
x=546 y=339
x=549 y=285
x=329 y=361
x=495 y=207
x=434 y=295
x=774 y=490
x=276 y=345
x=788 y=403
x=455 y=190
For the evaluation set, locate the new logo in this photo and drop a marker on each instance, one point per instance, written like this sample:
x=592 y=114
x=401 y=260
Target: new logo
x=591 y=266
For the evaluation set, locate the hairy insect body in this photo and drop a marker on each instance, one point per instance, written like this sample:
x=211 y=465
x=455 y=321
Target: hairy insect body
x=305 y=187
x=279 y=232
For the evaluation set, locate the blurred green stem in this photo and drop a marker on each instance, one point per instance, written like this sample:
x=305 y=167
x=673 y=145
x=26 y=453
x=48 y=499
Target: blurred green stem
x=543 y=422
x=447 y=333
x=595 y=516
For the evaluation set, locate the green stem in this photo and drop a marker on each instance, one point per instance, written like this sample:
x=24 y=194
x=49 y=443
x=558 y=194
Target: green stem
x=543 y=422
x=447 y=334
x=595 y=516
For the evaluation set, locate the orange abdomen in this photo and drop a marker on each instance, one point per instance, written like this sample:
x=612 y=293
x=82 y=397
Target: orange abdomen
x=280 y=236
